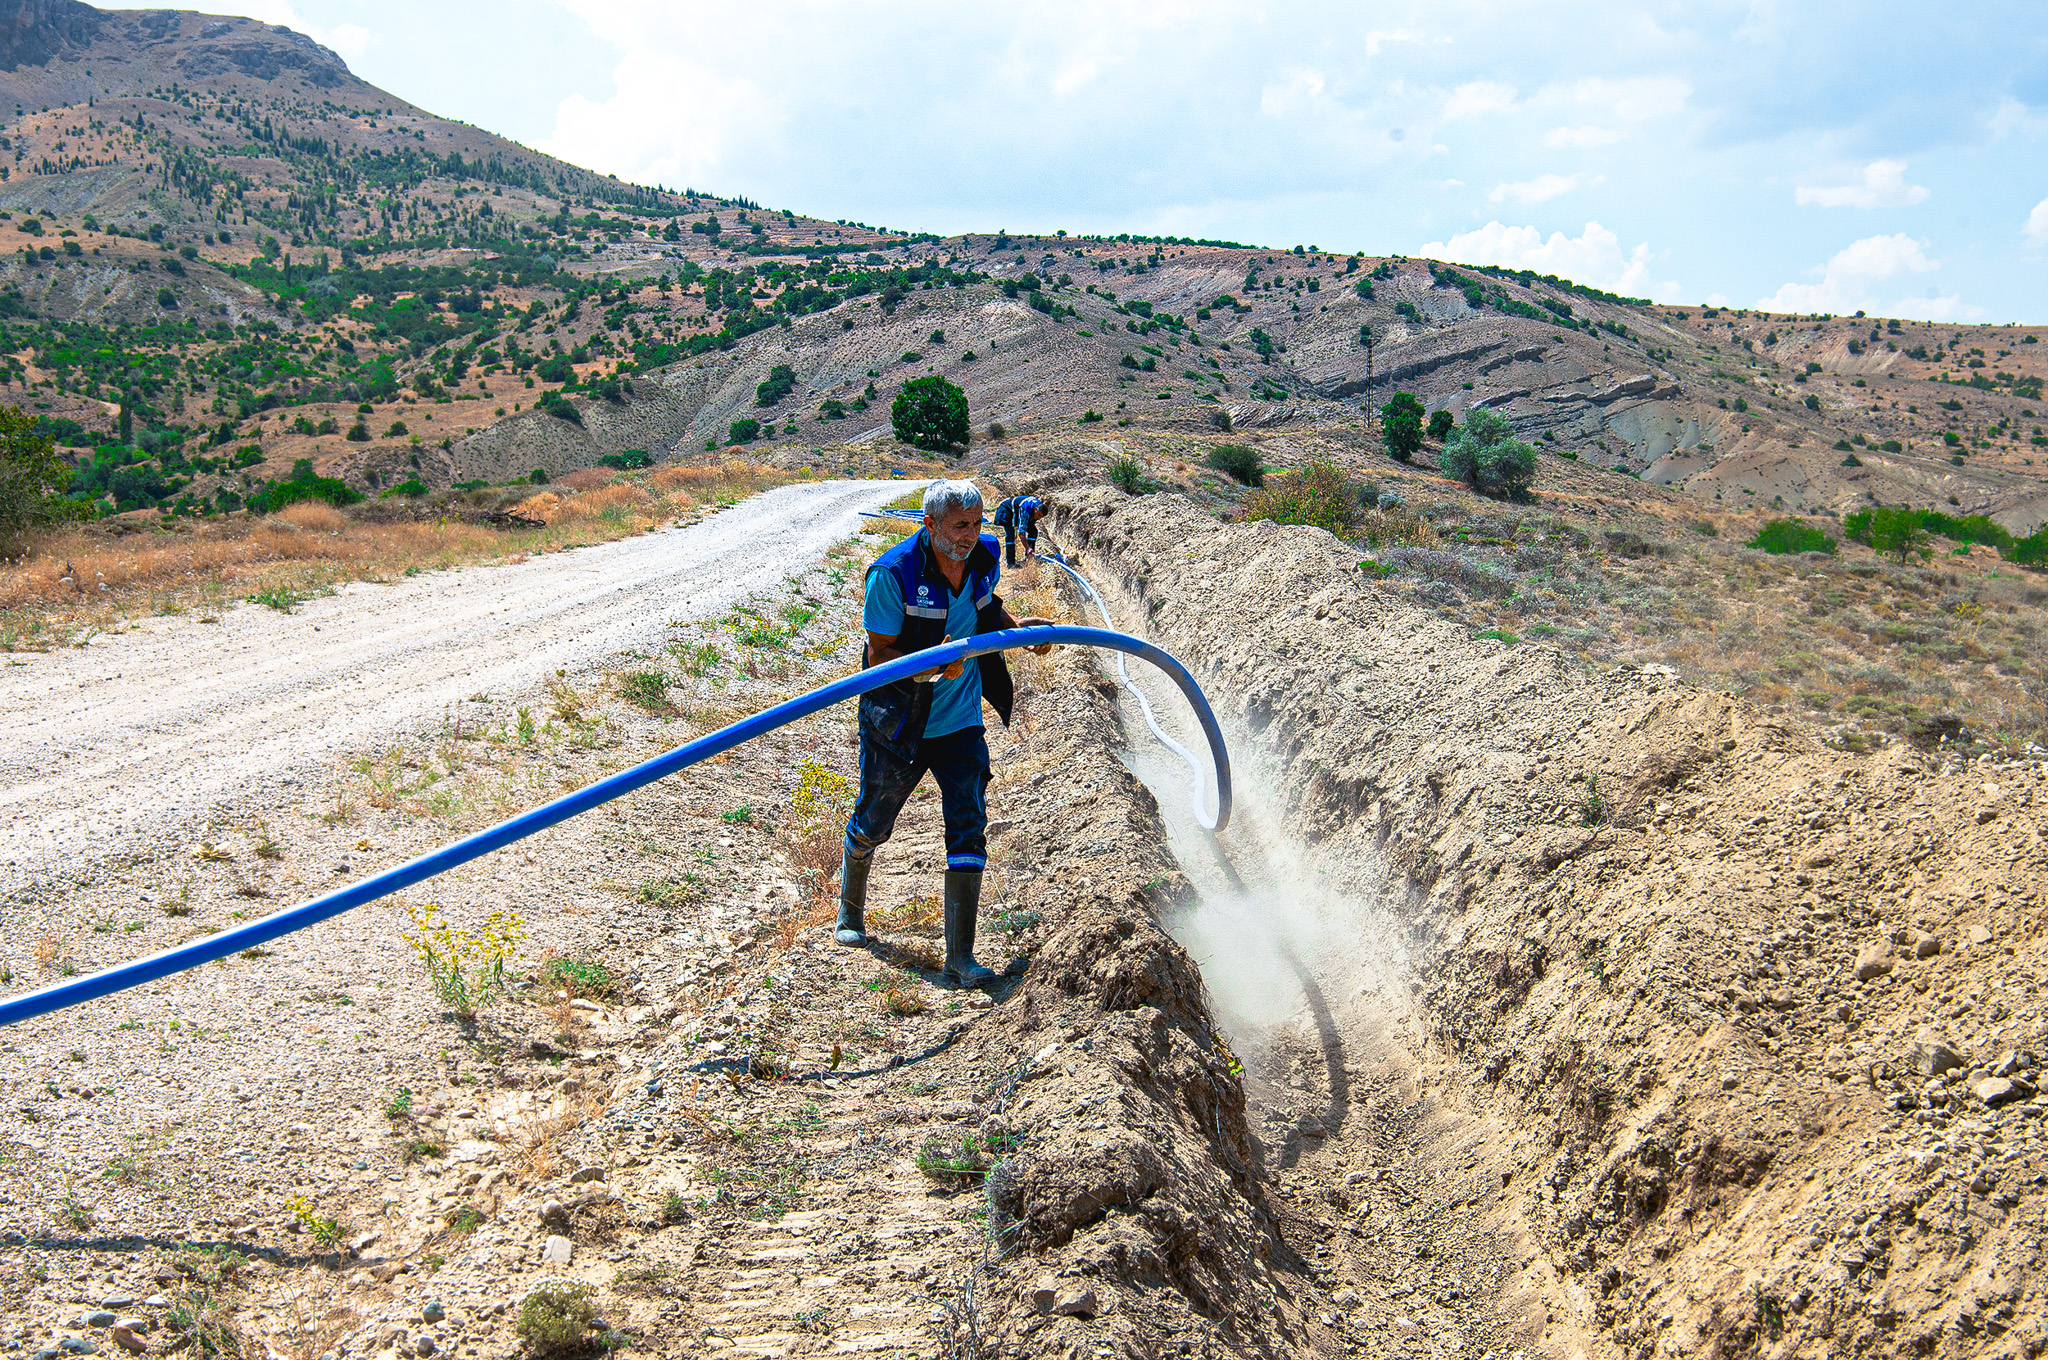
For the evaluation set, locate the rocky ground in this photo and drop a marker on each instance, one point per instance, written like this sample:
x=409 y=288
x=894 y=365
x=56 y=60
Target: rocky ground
x=1581 y=1014
x=740 y=1135
x=1737 y=1029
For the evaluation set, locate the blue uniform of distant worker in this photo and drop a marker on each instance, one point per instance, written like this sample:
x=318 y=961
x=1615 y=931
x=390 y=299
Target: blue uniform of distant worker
x=936 y=585
x=1019 y=515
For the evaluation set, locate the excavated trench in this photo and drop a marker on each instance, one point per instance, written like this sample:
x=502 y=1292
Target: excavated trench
x=1579 y=1013
x=1306 y=972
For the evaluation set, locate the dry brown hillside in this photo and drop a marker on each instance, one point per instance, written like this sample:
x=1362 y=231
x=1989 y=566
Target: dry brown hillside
x=226 y=240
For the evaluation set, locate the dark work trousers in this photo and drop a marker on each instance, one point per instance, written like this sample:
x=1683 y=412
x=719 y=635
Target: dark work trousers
x=1010 y=543
x=958 y=763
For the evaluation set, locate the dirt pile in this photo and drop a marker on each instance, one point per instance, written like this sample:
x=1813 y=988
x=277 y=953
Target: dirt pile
x=1743 y=1021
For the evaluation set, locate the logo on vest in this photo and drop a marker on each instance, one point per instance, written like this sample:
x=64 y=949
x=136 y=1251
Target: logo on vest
x=924 y=592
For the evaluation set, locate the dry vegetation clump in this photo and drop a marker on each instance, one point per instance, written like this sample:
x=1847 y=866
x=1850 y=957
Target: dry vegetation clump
x=73 y=581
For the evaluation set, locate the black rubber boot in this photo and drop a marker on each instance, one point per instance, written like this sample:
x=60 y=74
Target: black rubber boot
x=853 y=899
x=963 y=906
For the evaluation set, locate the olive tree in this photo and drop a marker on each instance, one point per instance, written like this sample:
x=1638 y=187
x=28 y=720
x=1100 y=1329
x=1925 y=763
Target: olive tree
x=1484 y=453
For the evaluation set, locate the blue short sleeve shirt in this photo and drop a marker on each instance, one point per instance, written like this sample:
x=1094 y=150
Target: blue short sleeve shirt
x=956 y=704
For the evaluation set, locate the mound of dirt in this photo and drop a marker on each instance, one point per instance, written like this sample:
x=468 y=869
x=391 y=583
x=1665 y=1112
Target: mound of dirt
x=1750 y=1020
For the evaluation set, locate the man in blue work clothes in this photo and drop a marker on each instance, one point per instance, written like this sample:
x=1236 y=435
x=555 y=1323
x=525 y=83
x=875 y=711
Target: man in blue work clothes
x=936 y=585
x=1019 y=515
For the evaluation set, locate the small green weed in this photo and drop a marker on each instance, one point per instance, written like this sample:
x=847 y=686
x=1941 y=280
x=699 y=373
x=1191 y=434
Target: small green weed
x=577 y=977
x=284 y=601
x=646 y=689
x=326 y=1231
x=1593 y=808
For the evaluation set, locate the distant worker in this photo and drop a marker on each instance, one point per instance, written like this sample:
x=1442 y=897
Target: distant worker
x=936 y=586
x=1019 y=515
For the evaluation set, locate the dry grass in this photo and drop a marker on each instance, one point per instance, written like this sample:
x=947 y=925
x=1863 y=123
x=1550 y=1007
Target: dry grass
x=533 y=1149
x=78 y=580
x=919 y=915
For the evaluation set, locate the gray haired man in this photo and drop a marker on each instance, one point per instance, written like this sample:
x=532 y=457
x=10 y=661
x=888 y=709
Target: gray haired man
x=937 y=585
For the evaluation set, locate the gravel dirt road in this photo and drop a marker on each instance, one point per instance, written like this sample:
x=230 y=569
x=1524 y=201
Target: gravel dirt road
x=105 y=749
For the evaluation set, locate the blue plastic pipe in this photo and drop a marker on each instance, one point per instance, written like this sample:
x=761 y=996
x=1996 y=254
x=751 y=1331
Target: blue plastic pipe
x=190 y=955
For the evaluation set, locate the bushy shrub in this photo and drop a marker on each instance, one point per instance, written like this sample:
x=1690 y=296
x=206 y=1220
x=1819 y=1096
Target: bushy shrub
x=1895 y=531
x=1318 y=492
x=1485 y=454
x=1239 y=462
x=744 y=431
x=1791 y=536
x=304 y=485
x=1401 y=426
x=930 y=414
x=1441 y=423
x=560 y=407
x=1128 y=475
x=557 y=1319
x=781 y=382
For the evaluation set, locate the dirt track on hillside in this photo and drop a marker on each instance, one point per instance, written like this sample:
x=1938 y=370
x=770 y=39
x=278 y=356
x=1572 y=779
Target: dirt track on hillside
x=110 y=748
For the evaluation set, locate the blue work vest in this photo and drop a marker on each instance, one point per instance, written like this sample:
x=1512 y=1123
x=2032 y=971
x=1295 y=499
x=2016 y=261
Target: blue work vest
x=1018 y=512
x=894 y=715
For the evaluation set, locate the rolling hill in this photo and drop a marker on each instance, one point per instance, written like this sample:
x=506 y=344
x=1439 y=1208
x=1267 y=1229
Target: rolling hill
x=221 y=252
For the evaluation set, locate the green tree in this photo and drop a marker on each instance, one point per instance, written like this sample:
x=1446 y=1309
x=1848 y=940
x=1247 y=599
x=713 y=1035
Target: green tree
x=1791 y=536
x=1896 y=531
x=1485 y=454
x=32 y=472
x=781 y=382
x=1441 y=424
x=930 y=414
x=1401 y=426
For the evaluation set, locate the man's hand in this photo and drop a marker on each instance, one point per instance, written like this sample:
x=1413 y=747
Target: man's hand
x=952 y=672
x=1036 y=622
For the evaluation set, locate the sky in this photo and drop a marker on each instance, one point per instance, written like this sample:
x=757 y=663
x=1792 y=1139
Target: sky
x=1815 y=157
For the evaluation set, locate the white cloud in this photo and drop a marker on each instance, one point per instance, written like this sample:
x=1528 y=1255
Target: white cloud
x=2037 y=222
x=1479 y=97
x=1589 y=135
x=1847 y=279
x=1541 y=189
x=1884 y=186
x=1946 y=308
x=669 y=121
x=1634 y=100
x=1594 y=256
x=1377 y=38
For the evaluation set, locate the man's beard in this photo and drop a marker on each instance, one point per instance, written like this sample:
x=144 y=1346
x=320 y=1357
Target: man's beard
x=952 y=553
